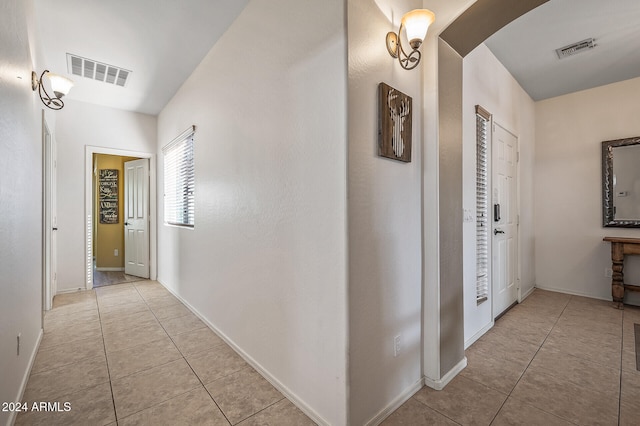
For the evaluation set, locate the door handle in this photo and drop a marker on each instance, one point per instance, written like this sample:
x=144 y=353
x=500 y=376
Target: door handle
x=498 y=231
x=126 y=224
x=55 y=229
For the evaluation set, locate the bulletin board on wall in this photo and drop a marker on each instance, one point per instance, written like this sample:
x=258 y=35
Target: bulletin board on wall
x=108 y=198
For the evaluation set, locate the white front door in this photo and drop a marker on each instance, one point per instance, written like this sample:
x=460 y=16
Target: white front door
x=505 y=219
x=136 y=218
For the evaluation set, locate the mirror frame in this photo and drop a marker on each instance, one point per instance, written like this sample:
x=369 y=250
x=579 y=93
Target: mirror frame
x=608 y=219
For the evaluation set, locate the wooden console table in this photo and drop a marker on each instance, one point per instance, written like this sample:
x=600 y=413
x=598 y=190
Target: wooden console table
x=620 y=247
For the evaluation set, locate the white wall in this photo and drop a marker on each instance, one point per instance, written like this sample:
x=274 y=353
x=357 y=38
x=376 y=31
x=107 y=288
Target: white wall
x=20 y=201
x=570 y=254
x=486 y=82
x=266 y=261
x=384 y=221
x=77 y=125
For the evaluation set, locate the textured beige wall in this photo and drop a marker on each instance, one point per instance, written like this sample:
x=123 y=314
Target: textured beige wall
x=78 y=126
x=265 y=264
x=450 y=159
x=384 y=216
x=570 y=254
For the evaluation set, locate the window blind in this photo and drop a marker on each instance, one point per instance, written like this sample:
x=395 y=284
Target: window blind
x=179 y=180
x=483 y=120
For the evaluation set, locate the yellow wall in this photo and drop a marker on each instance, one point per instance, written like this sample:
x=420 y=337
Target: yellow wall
x=108 y=237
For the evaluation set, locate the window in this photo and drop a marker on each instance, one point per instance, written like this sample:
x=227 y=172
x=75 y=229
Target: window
x=483 y=118
x=179 y=180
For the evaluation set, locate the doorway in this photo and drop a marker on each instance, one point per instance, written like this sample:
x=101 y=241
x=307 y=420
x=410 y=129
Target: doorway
x=112 y=195
x=504 y=178
x=49 y=216
x=118 y=189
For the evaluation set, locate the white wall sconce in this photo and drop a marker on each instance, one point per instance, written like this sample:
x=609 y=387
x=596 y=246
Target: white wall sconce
x=59 y=84
x=416 y=23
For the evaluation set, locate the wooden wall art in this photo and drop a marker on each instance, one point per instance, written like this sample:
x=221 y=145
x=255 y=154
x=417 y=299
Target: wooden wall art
x=108 y=197
x=394 y=123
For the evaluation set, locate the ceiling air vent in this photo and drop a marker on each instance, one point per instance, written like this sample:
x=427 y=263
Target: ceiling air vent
x=575 y=48
x=83 y=67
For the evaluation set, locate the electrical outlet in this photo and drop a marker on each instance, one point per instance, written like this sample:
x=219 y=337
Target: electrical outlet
x=115 y=252
x=18 y=350
x=608 y=272
x=396 y=345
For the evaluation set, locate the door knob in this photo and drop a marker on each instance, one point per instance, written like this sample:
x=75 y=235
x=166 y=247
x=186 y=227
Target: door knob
x=126 y=224
x=498 y=231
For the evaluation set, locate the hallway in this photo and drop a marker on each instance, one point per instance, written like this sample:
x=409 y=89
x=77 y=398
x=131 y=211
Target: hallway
x=555 y=359
x=135 y=347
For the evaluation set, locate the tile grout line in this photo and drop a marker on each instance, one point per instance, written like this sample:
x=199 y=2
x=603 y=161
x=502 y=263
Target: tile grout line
x=195 y=374
x=529 y=364
x=248 y=367
x=183 y=356
x=621 y=356
x=431 y=408
x=99 y=296
x=146 y=369
x=509 y=394
x=261 y=410
x=106 y=359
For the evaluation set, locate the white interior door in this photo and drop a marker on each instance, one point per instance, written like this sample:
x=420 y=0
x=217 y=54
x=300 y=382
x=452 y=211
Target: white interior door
x=505 y=219
x=136 y=217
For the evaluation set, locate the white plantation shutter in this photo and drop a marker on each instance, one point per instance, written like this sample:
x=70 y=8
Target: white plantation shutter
x=179 y=180
x=483 y=120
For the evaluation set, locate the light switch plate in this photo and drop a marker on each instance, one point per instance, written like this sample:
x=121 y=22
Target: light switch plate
x=468 y=215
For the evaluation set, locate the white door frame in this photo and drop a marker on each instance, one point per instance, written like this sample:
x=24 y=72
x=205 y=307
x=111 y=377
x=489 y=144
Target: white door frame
x=517 y=195
x=48 y=216
x=88 y=207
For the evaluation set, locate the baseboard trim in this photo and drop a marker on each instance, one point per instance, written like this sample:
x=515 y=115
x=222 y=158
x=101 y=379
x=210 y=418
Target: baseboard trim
x=527 y=294
x=478 y=335
x=25 y=378
x=109 y=269
x=439 y=384
x=396 y=403
x=70 y=290
x=298 y=402
x=573 y=293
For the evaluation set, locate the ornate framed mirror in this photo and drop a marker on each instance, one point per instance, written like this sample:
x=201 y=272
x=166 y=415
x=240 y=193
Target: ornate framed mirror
x=621 y=183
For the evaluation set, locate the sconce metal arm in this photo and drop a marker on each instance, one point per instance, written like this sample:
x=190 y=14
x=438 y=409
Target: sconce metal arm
x=394 y=46
x=52 y=103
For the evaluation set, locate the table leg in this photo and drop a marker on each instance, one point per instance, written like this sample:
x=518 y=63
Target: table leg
x=617 y=281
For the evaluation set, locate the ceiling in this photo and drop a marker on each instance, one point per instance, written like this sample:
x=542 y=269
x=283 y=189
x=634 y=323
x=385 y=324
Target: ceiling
x=526 y=47
x=160 y=41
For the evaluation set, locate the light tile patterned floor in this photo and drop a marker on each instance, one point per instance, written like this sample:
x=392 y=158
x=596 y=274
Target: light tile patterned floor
x=133 y=354
x=555 y=359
